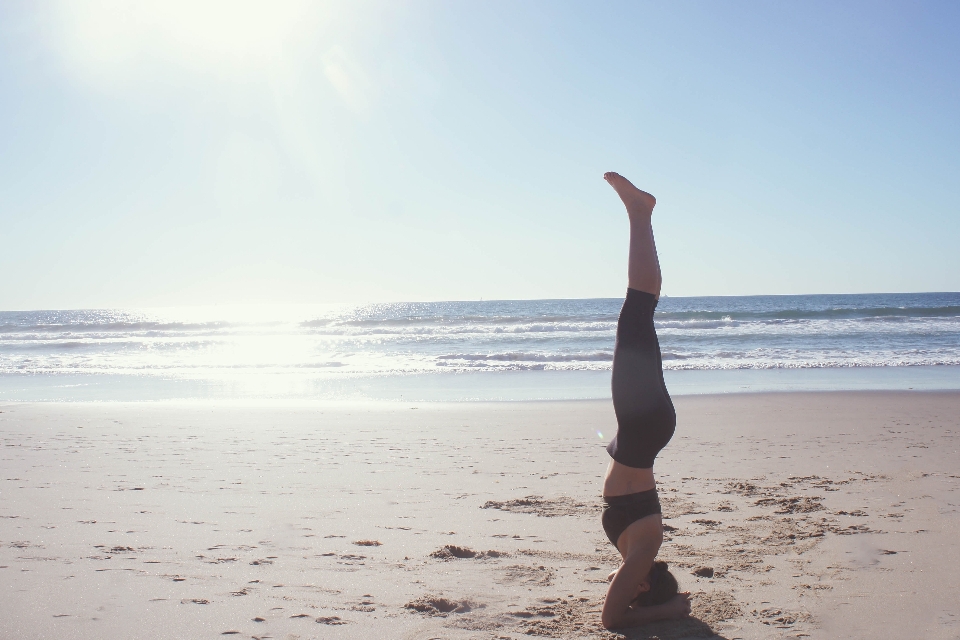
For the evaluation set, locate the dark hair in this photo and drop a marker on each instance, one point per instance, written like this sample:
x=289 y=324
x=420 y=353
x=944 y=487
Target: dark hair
x=663 y=586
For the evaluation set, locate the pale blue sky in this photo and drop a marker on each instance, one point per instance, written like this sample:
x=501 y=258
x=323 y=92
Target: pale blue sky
x=190 y=153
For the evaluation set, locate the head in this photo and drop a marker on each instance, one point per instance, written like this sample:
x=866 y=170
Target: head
x=659 y=587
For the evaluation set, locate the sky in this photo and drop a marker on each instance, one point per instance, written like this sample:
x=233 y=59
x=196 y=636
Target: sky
x=185 y=153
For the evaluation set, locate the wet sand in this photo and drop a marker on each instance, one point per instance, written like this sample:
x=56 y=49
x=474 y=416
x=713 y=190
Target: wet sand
x=817 y=515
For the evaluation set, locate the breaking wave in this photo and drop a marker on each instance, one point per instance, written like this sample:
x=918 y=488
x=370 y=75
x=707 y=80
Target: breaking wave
x=753 y=332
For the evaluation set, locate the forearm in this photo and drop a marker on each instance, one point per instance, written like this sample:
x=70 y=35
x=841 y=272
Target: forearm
x=625 y=585
x=635 y=617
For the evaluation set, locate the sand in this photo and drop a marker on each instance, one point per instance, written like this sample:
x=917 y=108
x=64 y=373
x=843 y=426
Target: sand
x=821 y=515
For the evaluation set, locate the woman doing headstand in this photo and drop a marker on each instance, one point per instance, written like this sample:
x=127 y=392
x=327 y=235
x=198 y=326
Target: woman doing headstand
x=642 y=590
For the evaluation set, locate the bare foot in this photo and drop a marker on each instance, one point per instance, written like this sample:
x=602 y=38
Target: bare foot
x=637 y=202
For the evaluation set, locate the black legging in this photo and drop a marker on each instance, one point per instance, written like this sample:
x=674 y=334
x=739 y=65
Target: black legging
x=645 y=415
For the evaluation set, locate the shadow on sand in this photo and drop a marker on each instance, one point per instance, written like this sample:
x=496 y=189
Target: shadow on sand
x=672 y=630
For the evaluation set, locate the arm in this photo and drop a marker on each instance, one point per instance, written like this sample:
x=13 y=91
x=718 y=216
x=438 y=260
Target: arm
x=617 y=612
x=623 y=590
x=678 y=607
x=641 y=541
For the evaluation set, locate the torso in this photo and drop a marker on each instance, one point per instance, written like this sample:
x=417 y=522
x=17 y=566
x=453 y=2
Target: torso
x=622 y=480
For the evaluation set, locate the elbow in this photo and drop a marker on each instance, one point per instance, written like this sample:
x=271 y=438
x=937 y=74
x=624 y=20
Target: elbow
x=610 y=621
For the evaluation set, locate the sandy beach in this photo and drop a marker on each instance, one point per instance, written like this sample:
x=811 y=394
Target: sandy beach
x=821 y=515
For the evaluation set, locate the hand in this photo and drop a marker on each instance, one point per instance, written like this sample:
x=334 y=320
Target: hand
x=678 y=606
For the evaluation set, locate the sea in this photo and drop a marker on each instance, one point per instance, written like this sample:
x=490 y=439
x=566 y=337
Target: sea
x=507 y=350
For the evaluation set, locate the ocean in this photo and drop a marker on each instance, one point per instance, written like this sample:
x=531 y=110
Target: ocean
x=486 y=350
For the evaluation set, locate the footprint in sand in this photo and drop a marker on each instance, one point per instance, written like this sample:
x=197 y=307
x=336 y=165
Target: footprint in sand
x=562 y=618
x=800 y=504
x=707 y=523
x=715 y=606
x=538 y=575
x=451 y=552
x=439 y=606
x=545 y=507
x=779 y=618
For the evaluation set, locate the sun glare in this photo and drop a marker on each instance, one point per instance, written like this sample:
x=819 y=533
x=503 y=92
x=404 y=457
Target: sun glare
x=109 y=36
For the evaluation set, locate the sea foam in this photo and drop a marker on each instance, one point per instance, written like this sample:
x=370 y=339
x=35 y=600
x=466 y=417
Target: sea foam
x=711 y=333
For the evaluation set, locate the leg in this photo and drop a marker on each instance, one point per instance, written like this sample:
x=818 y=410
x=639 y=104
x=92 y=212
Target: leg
x=640 y=397
x=643 y=271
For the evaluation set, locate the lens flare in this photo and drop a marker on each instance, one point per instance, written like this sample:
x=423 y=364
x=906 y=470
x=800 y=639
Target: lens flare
x=599 y=435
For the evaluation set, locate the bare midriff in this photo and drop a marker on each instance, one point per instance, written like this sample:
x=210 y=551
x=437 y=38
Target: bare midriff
x=622 y=480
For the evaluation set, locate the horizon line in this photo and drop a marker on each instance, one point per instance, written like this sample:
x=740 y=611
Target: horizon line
x=441 y=301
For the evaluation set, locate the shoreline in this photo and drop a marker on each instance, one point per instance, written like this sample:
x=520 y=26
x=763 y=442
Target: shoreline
x=294 y=404
x=462 y=387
